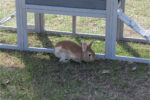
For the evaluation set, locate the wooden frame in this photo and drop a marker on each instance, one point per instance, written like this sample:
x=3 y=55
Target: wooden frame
x=39 y=22
x=114 y=27
x=21 y=24
x=120 y=24
x=66 y=11
x=111 y=29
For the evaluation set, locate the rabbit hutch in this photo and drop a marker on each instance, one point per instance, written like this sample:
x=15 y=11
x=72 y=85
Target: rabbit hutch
x=110 y=10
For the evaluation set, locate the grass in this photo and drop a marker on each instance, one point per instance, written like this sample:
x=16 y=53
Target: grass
x=40 y=76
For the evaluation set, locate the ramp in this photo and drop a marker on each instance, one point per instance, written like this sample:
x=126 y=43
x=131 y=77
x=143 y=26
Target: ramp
x=132 y=23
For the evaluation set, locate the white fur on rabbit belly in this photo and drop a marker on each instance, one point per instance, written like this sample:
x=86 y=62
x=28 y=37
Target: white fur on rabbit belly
x=63 y=53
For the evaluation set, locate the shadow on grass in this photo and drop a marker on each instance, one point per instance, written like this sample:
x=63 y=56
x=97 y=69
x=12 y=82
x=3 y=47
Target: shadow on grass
x=129 y=49
x=55 y=80
x=45 y=40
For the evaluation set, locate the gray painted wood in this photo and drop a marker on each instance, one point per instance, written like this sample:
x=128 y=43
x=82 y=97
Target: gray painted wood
x=9 y=28
x=66 y=11
x=39 y=22
x=36 y=49
x=111 y=29
x=85 y=4
x=120 y=24
x=101 y=56
x=140 y=40
x=8 y=46
x=74 y=24
x=133 y=59
x=14 y=29
x=21 y=24
x=24 y=25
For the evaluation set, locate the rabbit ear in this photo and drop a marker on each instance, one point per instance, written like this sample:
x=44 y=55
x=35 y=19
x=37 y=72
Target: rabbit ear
x=84 y=47
x=91 y=43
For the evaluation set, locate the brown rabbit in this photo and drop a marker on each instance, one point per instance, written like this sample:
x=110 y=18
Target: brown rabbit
x=68 y=50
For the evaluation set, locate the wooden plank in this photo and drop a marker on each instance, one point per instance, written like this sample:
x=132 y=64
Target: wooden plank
x=101 y=56
x=120 y=24
x=83 y=4
x=21 y=24
x=74 y=24
x=8 y=28
x=111 y=29
x=132 y=59
x=108 y=25
x=36 y=49
x=24 y=22
x=8 y=46
x=139 y=40
x=39 y=22
x=14 y=29
x=66 y=11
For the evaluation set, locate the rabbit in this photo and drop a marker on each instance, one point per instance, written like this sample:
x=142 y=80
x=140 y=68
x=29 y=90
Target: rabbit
x=67 y=50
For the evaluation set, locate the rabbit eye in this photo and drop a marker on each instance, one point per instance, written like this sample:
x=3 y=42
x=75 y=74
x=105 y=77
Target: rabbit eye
x=90 y=54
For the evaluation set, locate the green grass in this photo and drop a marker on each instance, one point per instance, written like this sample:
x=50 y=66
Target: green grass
x=40 y=76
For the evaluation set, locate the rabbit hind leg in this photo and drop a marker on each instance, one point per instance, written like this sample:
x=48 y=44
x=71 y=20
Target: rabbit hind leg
x=61 y=54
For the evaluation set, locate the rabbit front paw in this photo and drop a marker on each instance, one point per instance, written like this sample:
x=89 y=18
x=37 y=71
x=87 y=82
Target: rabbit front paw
x=64 y=60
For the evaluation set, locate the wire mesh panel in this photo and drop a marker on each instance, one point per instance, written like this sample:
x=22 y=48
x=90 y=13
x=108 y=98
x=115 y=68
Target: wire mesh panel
x=8 y=28
x=139 y=11
x=91 y=25
x=7 y=7
x=7 y=10
x=58 y=23
x=76 y=26
x=84 y=4
x=30 y=19
x=132 y=49
x=129 y=33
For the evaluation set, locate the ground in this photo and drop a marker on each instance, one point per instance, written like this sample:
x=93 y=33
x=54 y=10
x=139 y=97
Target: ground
x=40 y=76
x=31 y=75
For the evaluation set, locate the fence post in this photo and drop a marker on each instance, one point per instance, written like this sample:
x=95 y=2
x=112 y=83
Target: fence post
x=39 y=22
x=120 y=24
x=74 y=24
x=21 y=16
x=111 y=29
